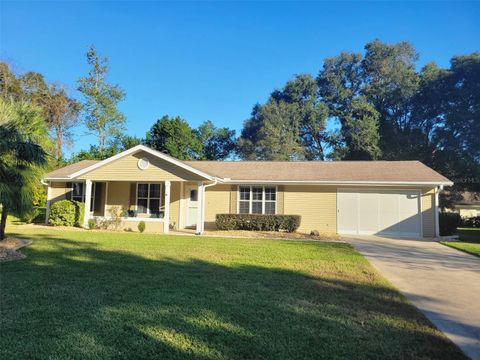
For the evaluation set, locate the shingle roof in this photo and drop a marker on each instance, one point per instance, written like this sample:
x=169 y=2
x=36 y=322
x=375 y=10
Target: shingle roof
x=381 y=171
x=64 y=172
x=469 y=198
x=301 y=171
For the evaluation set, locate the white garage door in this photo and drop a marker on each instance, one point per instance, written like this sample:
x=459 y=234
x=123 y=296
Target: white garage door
x=379 y=212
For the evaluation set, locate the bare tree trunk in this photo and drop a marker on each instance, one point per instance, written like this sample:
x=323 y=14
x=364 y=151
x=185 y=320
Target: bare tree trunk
x=59 y=142
x=3 y=222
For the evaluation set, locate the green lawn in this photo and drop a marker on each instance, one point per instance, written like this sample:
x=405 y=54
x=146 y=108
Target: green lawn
x=81 y=294
x=469 y=241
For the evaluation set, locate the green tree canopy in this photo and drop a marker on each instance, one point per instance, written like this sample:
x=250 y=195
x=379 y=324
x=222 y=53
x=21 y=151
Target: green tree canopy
x=23 y=134
x=217 y=143
x=60 y=111
x=119 y=144
x=291 y=125
x=100 y=113
x=379 y=107
x=175 y=137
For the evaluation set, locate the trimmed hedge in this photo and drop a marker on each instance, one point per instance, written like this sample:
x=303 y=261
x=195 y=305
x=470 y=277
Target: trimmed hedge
x=256 y=222
x=449 y=222
x=473 y=222
x=66 y=213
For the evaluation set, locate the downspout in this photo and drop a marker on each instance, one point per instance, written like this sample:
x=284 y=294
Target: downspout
x=202 y=228
x=437 y=211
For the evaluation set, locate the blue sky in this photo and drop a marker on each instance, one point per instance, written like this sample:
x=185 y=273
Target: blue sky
x=215 y=60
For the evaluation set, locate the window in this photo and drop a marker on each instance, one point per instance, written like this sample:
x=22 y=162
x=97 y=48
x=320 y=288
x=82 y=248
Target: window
x=270 y=200
x=257 y=199
x=244 y=204
x=193 y=195
x=78 y=193
x=149 y=199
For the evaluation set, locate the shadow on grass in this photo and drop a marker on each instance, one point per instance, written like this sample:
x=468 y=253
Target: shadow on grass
x=71 y=299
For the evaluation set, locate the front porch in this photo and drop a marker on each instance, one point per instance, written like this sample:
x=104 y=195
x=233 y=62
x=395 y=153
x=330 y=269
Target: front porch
x=162 y=205
x=141 y=183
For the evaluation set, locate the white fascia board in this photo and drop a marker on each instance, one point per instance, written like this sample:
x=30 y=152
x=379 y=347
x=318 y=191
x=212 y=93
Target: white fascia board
x=56 y=179
x=339 y=183
x=148 y=150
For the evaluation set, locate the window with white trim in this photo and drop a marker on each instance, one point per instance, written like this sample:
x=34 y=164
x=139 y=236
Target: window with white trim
x=149 y=199
x=257 y=199
x=78 y=193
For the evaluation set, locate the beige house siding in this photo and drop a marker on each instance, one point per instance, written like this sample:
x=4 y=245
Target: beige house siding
x=217 y=201
x=118 y=195
x=126 y=169
x=280 y=199
x=233 y=199
x=174 y=204
x=58 y=191
x=468 y=212
x=428 y=212
x=317 y=205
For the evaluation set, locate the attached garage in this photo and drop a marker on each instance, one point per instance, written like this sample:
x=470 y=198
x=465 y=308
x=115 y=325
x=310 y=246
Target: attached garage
x=379 y=212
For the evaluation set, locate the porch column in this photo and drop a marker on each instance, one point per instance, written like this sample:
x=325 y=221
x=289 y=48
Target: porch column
x=201 y=202
x=88 y=200
x=49 y=201
x=181 y=207
x=166 y=217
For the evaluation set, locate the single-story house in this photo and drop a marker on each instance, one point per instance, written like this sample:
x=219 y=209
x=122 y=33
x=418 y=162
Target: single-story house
x=468 y=205
x=395 y=198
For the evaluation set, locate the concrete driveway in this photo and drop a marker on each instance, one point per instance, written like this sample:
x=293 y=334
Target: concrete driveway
x=443 y=283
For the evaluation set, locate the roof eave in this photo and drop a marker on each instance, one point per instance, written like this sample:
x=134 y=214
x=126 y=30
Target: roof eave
x=338 y=183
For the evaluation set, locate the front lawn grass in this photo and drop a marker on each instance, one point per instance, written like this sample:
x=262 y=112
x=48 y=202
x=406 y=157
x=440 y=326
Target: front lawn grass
x=469 y=241
x=82 y=294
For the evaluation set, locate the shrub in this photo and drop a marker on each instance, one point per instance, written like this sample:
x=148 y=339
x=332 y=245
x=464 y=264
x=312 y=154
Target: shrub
x=255 y=222
x=91 y=224
x=141 y=226
x=66 y=213
x=448 y=223
x=36 y=216
x=473 y=222
x=40 y=217
x=114 y=222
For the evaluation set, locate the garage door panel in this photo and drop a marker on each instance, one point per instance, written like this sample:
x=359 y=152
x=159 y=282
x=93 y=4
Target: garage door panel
x=388 y=214
x=367 y=205
x=379 y=211
x=347 y=212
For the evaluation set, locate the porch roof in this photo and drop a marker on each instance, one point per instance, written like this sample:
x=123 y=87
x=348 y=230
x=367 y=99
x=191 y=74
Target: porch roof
x=65 y=172
x=77 y=170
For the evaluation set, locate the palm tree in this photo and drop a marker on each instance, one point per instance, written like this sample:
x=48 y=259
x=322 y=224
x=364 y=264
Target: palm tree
x=22 y=158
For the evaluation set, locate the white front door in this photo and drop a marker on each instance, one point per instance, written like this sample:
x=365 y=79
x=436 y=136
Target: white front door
x=192 y=206
x=381 y=212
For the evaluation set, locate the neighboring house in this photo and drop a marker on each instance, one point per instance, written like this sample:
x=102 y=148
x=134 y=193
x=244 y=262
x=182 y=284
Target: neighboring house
x=396 y=198
x=469 y=205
